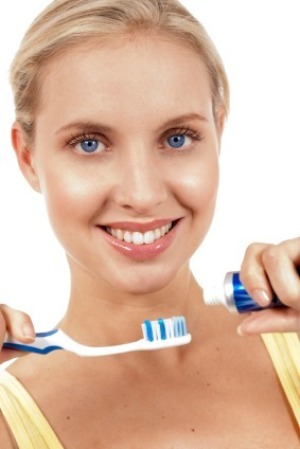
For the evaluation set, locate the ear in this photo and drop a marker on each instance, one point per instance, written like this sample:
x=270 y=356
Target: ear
x=25 y=155
x=220 y=123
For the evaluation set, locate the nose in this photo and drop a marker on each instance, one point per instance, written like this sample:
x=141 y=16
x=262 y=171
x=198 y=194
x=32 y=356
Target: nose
x=141 y=184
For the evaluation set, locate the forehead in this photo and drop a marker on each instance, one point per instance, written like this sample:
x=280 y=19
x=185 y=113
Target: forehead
x=144 y=73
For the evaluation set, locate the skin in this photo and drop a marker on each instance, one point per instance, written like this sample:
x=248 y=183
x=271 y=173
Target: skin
x=183 y=393
x=135 y=177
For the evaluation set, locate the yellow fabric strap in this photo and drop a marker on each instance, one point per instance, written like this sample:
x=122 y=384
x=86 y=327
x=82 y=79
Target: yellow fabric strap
x=284 y=350
x=25 y=420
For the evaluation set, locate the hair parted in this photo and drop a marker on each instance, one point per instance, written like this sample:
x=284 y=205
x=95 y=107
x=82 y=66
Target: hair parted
x=65 y=23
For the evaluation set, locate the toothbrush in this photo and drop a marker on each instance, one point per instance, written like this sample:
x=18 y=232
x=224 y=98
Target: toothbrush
x=158 y=334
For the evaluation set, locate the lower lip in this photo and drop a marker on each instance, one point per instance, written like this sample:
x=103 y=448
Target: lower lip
x=141 y=252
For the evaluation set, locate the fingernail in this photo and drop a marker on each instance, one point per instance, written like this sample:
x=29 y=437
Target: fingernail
x=27 y=332
x=261 y=297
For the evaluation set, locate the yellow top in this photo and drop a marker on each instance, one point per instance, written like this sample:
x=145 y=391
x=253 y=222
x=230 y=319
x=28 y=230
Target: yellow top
x=284 y=350
x=25 y=420
x=31 y=430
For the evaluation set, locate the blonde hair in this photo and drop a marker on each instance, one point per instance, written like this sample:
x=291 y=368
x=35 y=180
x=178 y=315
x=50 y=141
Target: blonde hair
x=69 y=22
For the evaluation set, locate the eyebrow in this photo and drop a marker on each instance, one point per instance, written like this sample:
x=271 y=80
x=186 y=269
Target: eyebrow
x=86 y=126
x=185 y=118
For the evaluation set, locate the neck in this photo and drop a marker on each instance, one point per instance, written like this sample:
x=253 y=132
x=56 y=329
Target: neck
x=99 y=314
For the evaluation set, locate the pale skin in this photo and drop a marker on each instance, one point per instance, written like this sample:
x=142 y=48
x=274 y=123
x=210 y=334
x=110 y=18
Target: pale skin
x=220 y=391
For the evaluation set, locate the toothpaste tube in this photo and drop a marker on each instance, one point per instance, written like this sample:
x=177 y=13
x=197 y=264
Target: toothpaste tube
x=232 y=294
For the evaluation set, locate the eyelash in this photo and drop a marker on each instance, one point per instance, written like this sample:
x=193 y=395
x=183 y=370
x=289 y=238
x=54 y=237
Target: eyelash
x=188 y=132
x=82 y=137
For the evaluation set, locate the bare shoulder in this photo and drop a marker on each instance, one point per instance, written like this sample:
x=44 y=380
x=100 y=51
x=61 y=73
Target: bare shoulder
x=72 y=392
x=35 y=372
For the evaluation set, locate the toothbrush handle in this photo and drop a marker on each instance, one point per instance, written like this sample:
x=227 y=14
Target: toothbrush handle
x=43 y=343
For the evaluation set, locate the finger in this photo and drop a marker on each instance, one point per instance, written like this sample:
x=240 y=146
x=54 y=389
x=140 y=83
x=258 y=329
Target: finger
x=9 y=354
x=271 y=320
x=253 y=275
x=280 y=262
x=17 y=323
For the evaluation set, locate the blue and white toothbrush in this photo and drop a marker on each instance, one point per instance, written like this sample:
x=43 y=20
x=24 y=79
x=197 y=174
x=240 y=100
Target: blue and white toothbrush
x=158 y=334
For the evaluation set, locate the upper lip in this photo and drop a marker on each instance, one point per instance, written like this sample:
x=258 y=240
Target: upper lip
x=139 y=227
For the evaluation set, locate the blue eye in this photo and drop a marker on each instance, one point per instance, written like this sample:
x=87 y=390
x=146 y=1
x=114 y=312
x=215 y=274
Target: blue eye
x=177 y=140
x=89 y=145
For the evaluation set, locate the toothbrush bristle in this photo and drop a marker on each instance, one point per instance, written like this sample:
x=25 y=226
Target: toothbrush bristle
x=164 y=329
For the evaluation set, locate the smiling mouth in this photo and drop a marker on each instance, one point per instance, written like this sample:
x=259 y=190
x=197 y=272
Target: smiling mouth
x=140 y=238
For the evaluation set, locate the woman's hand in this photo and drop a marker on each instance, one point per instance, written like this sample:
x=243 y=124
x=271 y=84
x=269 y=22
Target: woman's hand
x=267 y=269
x=19 y=325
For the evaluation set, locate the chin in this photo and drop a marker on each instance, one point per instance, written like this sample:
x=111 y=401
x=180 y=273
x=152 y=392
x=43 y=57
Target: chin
x=141 y=282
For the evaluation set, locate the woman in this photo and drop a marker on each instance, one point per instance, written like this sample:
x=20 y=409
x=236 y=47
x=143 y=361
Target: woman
x=120 y=108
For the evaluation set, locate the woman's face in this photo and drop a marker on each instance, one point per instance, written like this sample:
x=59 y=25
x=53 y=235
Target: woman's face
x=126 y=156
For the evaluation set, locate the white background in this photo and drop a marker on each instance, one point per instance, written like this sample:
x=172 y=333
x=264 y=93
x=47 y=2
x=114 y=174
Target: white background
x=260 y=44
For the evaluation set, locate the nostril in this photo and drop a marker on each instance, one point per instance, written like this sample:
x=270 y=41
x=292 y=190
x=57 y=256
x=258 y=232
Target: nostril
x=140 y=191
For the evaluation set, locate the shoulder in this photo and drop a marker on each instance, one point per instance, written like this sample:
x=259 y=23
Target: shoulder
x=59 y=382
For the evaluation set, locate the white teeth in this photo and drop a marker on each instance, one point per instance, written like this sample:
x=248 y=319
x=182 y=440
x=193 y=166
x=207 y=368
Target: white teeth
x=119 y=234
x=139 y=238
x=127 y=237
x=157 y=234
x=149 y=237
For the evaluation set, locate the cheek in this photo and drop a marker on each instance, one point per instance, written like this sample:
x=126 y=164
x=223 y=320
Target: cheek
x=71 y=199
x=198 y=186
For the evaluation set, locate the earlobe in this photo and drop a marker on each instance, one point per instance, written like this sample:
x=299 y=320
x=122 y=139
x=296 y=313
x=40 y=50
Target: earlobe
x=25 y=157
